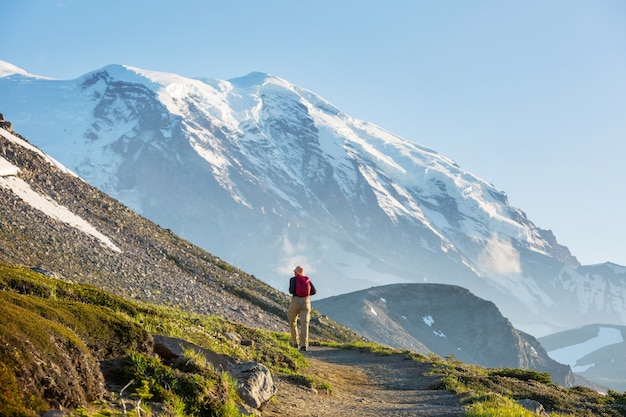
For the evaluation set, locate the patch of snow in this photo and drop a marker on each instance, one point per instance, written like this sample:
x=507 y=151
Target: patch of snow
x=383 y=300
x=373 y=311
x=439 y=333
x=20 y=188
x=428 y=320
x=7 y=169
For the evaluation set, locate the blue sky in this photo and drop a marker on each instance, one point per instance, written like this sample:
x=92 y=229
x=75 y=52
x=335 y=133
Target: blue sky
x=528 y=95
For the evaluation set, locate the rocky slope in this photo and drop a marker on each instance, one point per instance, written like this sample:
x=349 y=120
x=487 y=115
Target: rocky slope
x=68 y=229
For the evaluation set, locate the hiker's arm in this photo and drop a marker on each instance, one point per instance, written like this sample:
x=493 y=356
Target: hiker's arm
x=292 y=285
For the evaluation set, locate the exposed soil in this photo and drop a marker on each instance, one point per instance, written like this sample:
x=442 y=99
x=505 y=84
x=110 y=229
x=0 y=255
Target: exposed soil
x=363 y=384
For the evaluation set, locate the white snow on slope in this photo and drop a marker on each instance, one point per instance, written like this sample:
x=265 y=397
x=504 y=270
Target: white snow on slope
x=7 y=69
x=395 y=168
x=20 y=188
x=7 y=168
x=571 y=354
x=429 y=321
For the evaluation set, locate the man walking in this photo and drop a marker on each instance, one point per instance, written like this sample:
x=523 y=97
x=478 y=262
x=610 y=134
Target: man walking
x=301 y=287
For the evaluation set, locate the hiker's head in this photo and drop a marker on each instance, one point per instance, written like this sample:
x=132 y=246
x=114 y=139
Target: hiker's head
x=298 y=270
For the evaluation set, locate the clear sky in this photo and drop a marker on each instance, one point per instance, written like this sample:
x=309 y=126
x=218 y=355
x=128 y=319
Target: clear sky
x=528 y=95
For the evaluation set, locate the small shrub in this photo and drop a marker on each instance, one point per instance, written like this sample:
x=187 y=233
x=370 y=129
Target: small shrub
x=523 y=374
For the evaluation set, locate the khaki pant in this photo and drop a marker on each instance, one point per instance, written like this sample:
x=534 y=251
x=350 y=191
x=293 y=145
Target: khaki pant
x=300 y=306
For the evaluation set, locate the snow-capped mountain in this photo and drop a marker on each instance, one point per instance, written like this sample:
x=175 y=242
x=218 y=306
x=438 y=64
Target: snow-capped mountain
x=267 y=175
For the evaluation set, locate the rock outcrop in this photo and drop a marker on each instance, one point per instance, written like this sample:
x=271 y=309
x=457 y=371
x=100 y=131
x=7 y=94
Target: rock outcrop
x=254 y=380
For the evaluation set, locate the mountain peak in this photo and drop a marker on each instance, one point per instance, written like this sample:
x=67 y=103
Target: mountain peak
x=7 y=69
x=254 y=78
x=121 y=72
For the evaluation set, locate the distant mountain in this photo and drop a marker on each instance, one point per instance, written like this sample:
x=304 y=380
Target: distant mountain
x=445 y=320
x=266 y=175
x=596 y=352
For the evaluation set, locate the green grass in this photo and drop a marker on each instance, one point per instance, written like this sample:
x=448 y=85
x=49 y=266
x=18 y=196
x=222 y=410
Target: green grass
x=487 y=392
x=494 y=392
x=497 y=407
x=39 y=314
x=44 y=321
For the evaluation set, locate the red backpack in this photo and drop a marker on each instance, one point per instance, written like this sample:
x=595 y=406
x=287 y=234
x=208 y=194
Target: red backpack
x=303 y=286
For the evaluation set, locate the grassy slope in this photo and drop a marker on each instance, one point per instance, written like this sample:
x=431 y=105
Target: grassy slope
x=54 y=335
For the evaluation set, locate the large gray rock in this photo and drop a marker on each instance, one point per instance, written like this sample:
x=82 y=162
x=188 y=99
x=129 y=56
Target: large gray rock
x=534 y=406
x=254 y=380
x=171 y=348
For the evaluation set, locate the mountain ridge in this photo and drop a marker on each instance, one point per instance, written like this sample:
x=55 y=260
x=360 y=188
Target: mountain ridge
x=271 y=175
x=447 y=320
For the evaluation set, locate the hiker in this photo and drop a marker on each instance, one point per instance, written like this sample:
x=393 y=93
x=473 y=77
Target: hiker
x=301 y=287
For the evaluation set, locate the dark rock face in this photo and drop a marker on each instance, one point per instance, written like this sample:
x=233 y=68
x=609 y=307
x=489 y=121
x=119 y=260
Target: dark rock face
x=5 y=124
x=444 y=319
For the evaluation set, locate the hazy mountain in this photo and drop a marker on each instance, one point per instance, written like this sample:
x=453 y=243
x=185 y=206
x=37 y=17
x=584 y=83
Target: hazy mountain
x=266 y=174
x=596 y=352
x=446 y=320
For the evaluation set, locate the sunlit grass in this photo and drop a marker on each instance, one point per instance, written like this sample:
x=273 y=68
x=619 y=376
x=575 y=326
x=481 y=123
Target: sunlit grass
x=496 y=406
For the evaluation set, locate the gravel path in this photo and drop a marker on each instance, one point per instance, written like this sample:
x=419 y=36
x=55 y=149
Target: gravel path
x=364 y=384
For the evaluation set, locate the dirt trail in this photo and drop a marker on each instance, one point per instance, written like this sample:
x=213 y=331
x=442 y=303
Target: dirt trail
x=364 y=385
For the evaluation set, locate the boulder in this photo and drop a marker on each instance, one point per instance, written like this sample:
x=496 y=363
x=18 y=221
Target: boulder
x=254 y=380
x=534 y=406
x=171 y=348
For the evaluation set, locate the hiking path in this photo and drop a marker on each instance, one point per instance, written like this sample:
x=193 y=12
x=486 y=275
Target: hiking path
x=363 y=384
